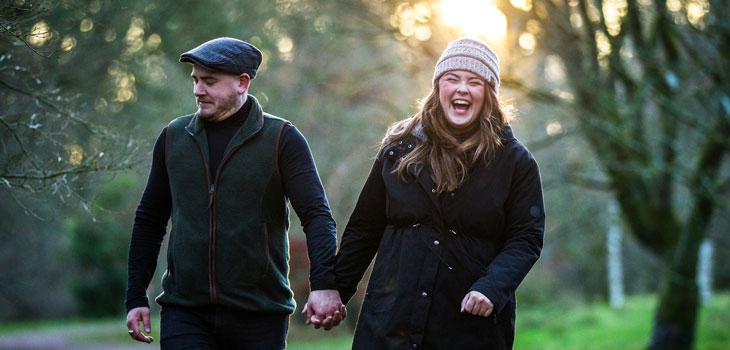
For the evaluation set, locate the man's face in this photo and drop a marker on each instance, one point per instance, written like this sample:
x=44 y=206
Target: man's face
x=218 y=95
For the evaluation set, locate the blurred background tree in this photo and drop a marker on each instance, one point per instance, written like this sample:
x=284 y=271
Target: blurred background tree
x=56 y=150
x=623 y=101
x=96 y=250
x=51 y=139
x=650 y=89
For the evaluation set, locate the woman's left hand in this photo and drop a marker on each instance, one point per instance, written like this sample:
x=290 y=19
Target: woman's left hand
x=477 y=304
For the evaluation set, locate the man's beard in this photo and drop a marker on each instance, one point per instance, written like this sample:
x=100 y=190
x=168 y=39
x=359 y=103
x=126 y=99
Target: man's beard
x=226 y=106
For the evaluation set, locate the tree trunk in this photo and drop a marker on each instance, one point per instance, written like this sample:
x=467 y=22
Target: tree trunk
x=615 y=258
x=704 y=271
x=679 y=303
x=674 y=323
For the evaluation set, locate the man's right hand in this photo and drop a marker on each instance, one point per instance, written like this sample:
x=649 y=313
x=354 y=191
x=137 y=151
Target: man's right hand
x=134 y=317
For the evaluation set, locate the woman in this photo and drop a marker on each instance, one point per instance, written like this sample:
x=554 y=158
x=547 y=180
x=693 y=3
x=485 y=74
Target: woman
x=453 y=208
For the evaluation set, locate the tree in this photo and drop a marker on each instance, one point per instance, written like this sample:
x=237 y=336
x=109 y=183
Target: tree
x=57 y=144
x=98 y=251
x=651 y=91
x=49 y=142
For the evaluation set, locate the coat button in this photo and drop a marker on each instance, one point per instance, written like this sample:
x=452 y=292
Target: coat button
x=436 y=242
x=391 y=153
x=424 y=294
x=410 y=146
x=433 y=190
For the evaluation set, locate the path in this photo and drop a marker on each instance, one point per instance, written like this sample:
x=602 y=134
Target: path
x=75 y=337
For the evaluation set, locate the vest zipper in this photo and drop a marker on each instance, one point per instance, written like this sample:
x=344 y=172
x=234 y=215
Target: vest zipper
x=211 y=236
x=211 y=243
x=211 y=210
x=211 y=223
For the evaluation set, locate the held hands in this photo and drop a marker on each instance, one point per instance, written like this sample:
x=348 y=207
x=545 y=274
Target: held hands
x=134 y=317
x=324 y=309
x=477 y=304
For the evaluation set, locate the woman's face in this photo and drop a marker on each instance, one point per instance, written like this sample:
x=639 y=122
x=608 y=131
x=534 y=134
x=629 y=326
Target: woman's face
x=461 y=94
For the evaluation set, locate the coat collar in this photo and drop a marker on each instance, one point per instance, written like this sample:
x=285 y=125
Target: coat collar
x=424 y=176
x=506 y=135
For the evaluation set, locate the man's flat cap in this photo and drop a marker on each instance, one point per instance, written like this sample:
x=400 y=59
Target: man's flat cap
x=227 y=55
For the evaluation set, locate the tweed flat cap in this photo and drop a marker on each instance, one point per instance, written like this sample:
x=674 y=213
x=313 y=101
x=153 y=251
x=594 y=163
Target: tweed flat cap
x=471 y=55
x=226 y=55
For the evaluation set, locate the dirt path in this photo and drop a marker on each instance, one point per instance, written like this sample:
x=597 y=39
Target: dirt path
x=77 y=337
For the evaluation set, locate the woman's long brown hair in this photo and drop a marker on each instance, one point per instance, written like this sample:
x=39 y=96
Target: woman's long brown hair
x=449 y=156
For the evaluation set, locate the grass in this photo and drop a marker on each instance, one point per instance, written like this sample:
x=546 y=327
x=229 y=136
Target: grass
x=599 y=326
x=576 y=327
x=540 y=327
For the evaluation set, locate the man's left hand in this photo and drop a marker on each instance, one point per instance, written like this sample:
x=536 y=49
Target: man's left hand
x=324 y=309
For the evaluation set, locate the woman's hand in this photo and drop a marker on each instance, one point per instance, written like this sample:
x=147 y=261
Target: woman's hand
x=477 y=304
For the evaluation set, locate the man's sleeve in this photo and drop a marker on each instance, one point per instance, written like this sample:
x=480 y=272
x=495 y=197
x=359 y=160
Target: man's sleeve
x=150 y=226
x=306 y=193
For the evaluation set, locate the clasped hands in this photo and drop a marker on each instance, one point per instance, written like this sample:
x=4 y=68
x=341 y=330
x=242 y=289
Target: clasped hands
x=325 y=309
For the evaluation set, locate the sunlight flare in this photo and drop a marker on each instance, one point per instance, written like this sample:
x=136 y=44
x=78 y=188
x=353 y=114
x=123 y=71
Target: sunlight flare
x=474 y=17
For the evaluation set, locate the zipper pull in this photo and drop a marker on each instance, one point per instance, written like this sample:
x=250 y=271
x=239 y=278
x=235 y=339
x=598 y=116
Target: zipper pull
x=211 y=194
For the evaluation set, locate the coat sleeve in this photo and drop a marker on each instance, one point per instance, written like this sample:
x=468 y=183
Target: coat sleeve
x=525 y=218
x=362 y=235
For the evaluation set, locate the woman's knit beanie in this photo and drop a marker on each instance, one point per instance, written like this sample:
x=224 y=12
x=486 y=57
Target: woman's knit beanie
x=471 y=55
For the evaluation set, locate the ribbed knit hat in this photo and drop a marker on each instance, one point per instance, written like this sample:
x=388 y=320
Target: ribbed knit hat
x=471 y=55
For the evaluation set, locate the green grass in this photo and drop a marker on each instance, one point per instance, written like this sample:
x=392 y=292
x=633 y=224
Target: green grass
x=543 y=327
x=597 y=326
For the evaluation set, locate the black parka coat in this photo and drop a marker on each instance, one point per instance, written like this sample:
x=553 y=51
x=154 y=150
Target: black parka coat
x=433 y=249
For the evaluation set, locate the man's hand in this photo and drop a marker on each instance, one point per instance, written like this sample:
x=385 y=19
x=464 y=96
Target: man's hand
x=477 y=304
x=134 y=317
x=324 y=309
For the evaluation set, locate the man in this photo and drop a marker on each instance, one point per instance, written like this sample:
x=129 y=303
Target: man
x=223 y=176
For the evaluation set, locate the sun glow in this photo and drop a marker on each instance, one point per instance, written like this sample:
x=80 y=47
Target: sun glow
x=474 y=17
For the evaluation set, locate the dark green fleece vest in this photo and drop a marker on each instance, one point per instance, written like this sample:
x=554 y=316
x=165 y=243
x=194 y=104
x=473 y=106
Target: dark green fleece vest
x=228 y=242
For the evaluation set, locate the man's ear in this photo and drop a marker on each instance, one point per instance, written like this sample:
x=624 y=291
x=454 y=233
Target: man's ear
x=244 y=80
